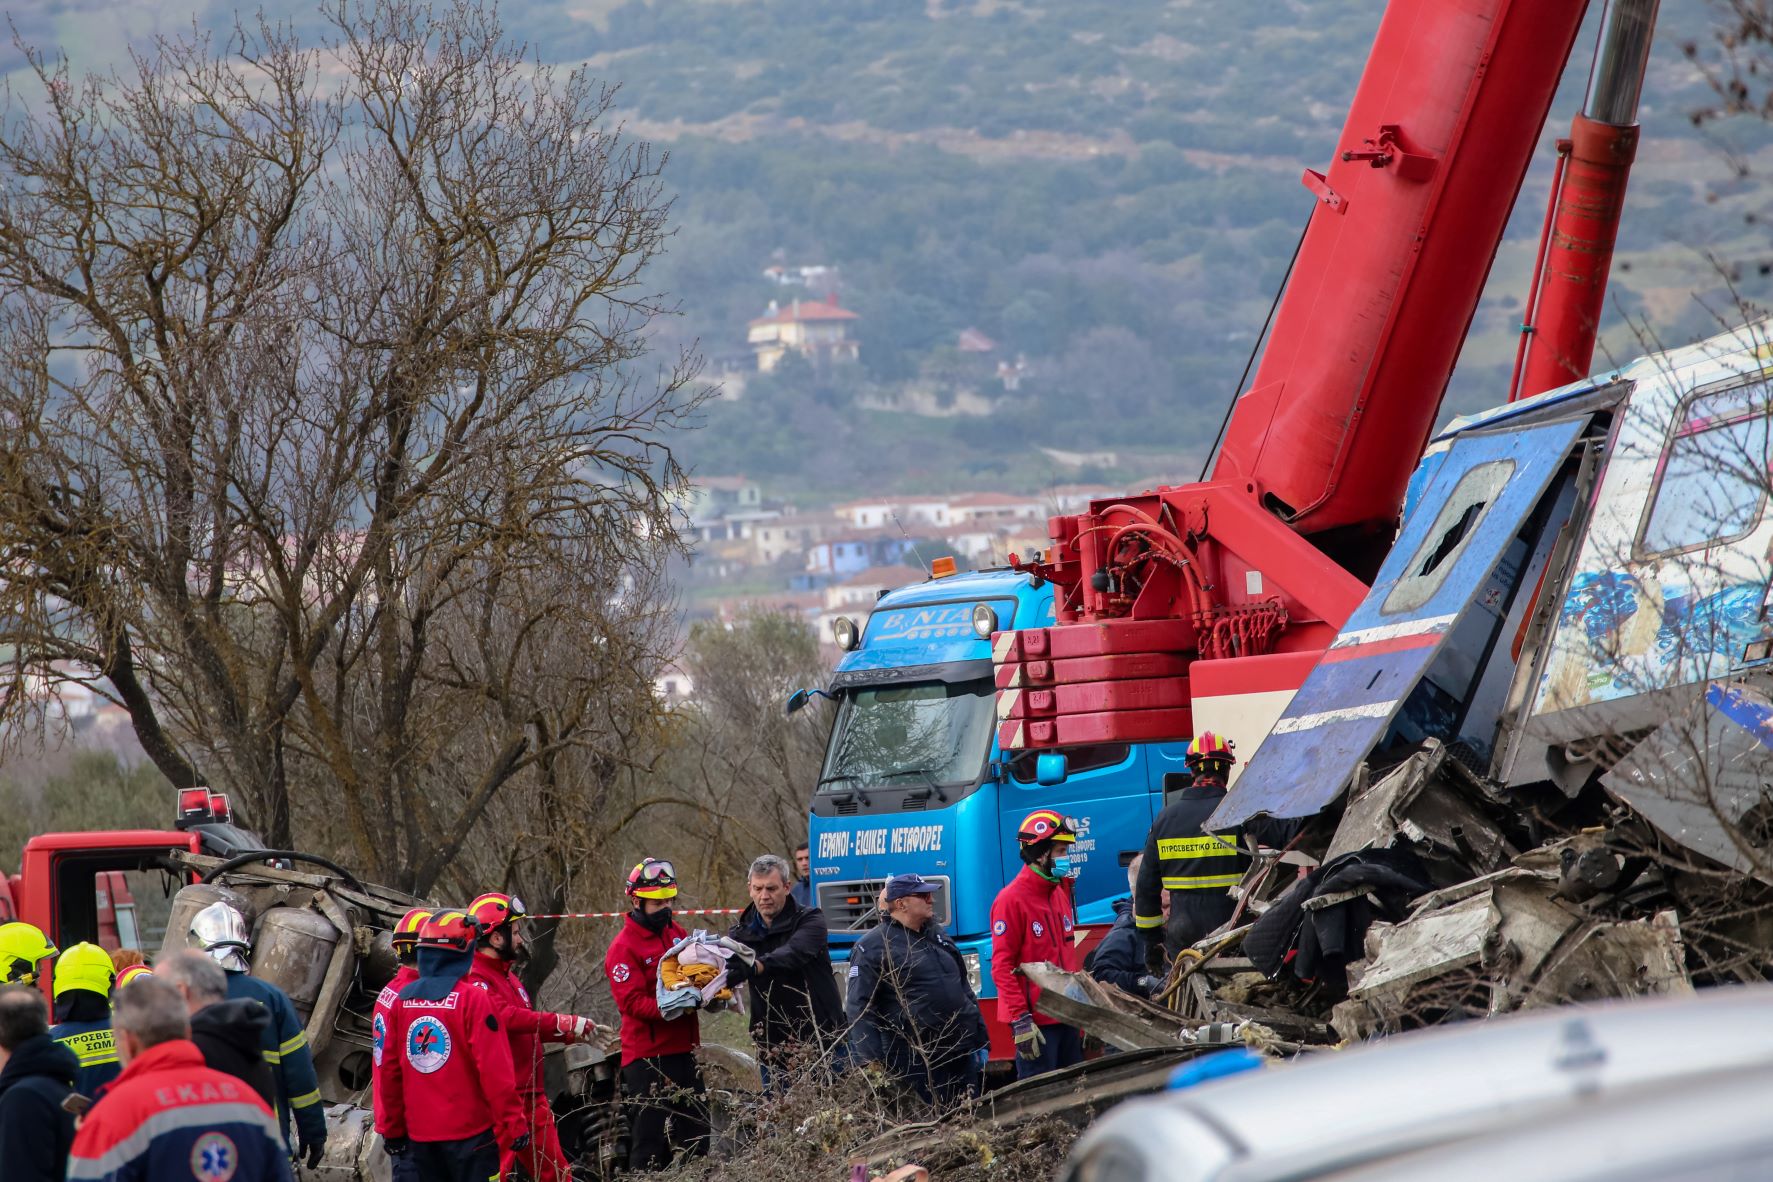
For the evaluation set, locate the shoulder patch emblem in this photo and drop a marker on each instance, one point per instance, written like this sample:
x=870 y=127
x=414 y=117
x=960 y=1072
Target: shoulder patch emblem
x=214 y=1158
x=999 y=927
x=855 y=970
x=427 y=1045
x=380 y=1027
x=619 y=974
x=1040 y=929
x=1067 y=922
x=481 y=985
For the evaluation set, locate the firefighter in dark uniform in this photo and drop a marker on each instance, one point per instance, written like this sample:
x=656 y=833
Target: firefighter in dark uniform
x=1197 y=868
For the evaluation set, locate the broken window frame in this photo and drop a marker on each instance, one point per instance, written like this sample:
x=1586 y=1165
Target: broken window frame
x=1760 y=407
x=1412 y=591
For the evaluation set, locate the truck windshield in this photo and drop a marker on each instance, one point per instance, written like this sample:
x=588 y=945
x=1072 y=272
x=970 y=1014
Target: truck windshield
x=925 y=733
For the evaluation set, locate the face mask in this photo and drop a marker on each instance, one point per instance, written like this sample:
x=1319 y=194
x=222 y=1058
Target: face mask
x=655 y=922
x=1062 y=868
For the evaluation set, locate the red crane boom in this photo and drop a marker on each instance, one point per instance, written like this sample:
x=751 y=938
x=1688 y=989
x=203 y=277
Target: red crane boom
x=1239 y=582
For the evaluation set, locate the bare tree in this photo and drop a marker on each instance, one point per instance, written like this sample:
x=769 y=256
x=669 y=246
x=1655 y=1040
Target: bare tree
x=331 y=448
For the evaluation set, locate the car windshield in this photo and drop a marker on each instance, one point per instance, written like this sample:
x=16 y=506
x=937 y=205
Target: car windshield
x=928 y=732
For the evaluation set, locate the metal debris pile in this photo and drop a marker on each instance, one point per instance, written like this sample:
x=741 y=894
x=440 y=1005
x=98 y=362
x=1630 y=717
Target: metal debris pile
x=1434 y=896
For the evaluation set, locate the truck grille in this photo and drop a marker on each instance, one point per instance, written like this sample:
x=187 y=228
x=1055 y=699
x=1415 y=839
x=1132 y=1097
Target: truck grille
x=849 y=906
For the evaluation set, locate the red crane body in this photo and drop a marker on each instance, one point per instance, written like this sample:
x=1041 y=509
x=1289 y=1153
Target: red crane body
x=1238 y=583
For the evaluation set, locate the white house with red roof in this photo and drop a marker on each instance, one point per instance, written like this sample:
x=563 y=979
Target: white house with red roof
x=818 y=330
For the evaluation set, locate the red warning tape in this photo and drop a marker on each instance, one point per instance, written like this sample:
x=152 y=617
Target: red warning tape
x=620 y=914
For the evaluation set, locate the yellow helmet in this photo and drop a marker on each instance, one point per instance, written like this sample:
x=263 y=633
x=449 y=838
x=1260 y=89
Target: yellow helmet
x=23 y=947
x=84 y=966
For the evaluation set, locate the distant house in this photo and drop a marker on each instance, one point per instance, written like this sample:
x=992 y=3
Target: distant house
x=839 y=558
x=998 y=509
x=861 y=589
x=772 y=541
x=816 y=329
x=971 y=340
x=869 y=514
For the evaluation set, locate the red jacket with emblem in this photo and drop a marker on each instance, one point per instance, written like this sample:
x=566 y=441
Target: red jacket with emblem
x=632 y=966
x=169 y=1116
x=528 y=1027
x=445 y=1071
x=383 y=1014
x=1031 y=919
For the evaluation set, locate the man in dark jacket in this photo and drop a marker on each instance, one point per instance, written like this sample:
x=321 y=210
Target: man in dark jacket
x=36 y=1075
x=802 y=890
x=230 y=1034
x=794 y=1000
x=910 y=1007
x=1119 y=959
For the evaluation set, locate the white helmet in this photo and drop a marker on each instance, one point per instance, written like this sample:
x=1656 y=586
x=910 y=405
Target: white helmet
x=220 y=930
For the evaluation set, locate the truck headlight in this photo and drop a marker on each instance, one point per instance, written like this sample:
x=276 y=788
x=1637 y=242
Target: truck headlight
x=971 y=960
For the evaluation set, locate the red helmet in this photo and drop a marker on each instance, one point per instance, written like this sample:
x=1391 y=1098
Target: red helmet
x=406 y=932
x=451 y=930
x=653 y=878
x=1208 y=747
x=495 y=909
x=1046 y=825
x=128 y=973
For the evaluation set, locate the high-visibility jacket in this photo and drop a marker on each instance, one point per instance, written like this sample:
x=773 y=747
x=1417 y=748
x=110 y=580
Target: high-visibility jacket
x=292 y=1063
x=96 y=1049
x=1182 y=859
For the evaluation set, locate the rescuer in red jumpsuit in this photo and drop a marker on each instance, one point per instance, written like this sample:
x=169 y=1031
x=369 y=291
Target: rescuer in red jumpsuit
x=446 y=1094
x=496 y=954
x=406 y=950
x=1032 y=919
x=660 y=1078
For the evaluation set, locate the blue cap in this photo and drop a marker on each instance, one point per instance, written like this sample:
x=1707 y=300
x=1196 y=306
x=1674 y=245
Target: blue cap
x=901 y=885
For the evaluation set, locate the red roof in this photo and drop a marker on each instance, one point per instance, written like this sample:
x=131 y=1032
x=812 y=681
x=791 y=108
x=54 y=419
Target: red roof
x=801 y=310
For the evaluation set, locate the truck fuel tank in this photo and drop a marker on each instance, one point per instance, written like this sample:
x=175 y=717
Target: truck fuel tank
x=293 y=950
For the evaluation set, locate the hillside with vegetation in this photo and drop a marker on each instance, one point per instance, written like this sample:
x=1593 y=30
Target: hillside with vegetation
x=1106 y=191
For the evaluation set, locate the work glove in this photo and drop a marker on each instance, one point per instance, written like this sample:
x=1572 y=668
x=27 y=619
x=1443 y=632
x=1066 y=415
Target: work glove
x=522 y=1143
x=740 y=952
x=312 y=1151
x=1150 y=985
x=396 y=1145
x=738 y=971
x=1029 y=1039
x=1154 y=958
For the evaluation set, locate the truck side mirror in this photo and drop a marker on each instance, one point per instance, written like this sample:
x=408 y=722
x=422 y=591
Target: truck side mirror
x=1050 y=769
x=797 y=700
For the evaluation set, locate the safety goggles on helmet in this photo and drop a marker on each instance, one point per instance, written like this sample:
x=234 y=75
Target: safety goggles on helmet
x=220 y=930
x=23 y=947
x=1046 y=825
x=84 y=966
x=653 y=878
x=406 y=932
x=495 y=909
x=449 y=930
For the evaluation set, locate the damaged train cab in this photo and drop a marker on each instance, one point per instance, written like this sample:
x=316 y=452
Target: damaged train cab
x=1578 y=594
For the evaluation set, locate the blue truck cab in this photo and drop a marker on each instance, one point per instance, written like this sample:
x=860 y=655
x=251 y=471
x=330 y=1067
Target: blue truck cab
x=914 y=780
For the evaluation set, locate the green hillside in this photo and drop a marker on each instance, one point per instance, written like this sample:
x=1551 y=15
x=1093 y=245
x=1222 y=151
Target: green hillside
x=1107 y=189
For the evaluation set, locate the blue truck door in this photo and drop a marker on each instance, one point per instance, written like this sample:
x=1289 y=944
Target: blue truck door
x=1107 y=793
x=1474 y=507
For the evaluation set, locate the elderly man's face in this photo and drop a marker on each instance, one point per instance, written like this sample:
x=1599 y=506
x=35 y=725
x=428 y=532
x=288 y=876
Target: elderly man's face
x=914 y=911
x=768 y=892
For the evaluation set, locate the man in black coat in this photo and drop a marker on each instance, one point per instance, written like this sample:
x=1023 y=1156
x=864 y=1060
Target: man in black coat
x=230 y=1033
x=910 y=1007
x=37 y=1075
x=794 y=1001
x=1119 y=959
